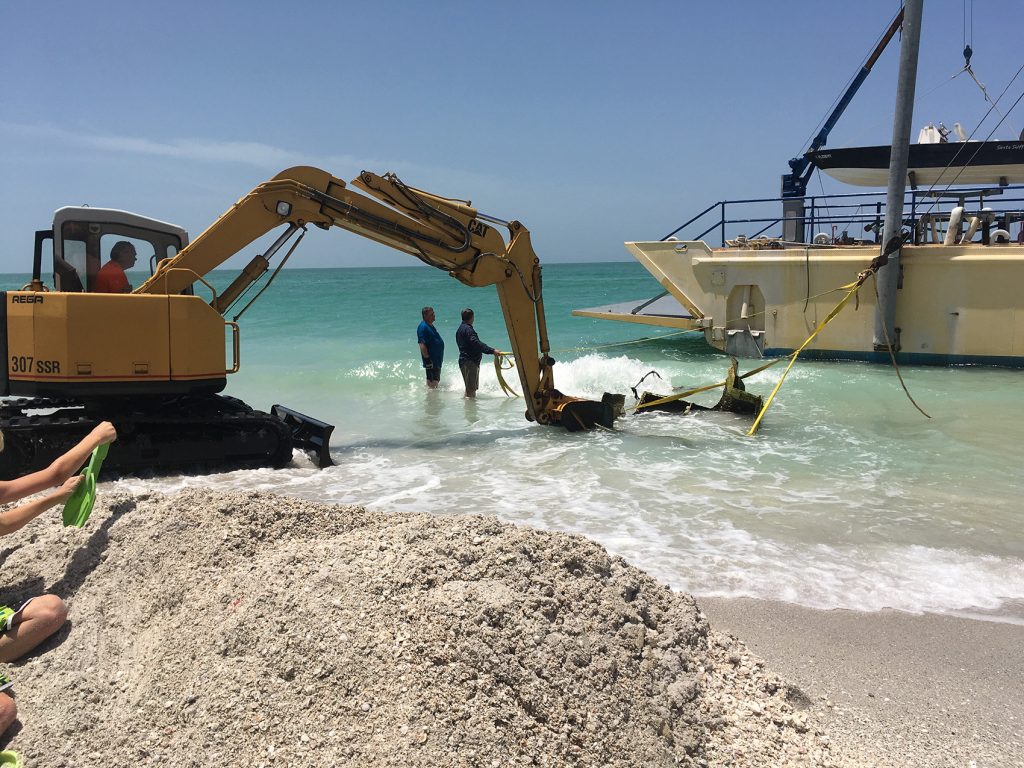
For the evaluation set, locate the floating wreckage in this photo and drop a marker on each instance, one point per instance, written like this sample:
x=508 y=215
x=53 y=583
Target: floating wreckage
x=734 y=399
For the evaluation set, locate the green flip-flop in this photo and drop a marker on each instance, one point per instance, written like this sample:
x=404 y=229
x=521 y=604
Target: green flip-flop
x=79 y=506
x=10 y=759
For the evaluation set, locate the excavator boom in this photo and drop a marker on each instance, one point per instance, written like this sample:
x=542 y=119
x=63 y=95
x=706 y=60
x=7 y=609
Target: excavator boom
x=153 y=360
x=442 y=232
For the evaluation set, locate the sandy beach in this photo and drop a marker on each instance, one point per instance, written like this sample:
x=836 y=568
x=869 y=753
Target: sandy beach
x=247 y=629
x=897 y=689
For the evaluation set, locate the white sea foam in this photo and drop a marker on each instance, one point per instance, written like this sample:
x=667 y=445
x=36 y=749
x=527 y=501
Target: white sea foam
x=737 y=531
x=847 y=498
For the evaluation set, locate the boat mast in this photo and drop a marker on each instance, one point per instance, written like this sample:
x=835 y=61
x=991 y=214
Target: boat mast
x=794 y=183
x=888 y=275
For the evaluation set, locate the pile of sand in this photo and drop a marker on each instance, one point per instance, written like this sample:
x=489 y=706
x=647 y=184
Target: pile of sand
x=256 y=630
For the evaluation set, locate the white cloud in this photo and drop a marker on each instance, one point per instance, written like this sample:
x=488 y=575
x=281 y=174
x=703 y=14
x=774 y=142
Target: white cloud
x=253 y=154
x=243 y=152
x=504 y=196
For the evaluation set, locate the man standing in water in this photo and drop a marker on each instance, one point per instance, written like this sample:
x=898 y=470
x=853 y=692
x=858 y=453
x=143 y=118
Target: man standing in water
x=471 y=349
x=431 y=347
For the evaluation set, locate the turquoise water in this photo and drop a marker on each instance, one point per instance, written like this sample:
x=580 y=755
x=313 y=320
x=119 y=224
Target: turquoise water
x=848 y=497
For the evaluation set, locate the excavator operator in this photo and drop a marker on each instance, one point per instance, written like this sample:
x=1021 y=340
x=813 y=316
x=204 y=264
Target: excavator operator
x=112 y=278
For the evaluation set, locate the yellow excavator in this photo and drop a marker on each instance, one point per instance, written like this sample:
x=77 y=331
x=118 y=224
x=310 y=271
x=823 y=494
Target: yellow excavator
x=153 y=361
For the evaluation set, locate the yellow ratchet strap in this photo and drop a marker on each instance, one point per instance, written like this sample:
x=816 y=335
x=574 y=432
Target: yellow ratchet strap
x=499 y=366
x=852 y=288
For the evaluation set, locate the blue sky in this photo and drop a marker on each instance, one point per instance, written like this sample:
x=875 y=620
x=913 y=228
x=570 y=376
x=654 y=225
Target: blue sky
x=591 y=122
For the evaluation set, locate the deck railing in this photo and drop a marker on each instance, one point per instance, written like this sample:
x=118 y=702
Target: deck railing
x=855 y=217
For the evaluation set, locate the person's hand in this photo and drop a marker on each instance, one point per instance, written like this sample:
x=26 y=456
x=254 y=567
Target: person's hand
x=64 y=491
x=104 y=433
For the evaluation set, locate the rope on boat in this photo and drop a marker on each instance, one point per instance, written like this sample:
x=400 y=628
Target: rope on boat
x=643 y=339
x=894 y=244
x=852 y=289
x=892 y=357
x=967 y=143
x=626 y=343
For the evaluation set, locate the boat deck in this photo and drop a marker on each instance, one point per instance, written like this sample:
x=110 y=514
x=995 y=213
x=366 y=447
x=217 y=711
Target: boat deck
x=663 y=310
x=758 y=244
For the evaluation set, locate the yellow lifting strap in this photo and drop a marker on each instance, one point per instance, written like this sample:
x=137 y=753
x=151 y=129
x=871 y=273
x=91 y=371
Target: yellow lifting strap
x=852 y=289
x=499 y=366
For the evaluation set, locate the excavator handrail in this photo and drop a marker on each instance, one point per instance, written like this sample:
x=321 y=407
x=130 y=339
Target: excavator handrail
x=165 y=272
x=236 y=347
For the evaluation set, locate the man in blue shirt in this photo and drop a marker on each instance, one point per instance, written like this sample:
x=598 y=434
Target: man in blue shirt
x=471 y=349
x=431 y=347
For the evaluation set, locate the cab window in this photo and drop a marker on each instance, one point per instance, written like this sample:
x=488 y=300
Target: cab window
x=70 y=272
x=87 y=248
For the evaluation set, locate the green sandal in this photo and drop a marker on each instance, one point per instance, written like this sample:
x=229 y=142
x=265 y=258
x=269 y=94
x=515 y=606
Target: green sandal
x=11 y=759
x=79 y=506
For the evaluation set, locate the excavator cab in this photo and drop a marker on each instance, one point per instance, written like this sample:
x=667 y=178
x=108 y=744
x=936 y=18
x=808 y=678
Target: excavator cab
x=83 y=237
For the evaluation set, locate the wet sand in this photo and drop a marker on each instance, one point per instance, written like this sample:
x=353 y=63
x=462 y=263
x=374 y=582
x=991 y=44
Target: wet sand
x=898 y=689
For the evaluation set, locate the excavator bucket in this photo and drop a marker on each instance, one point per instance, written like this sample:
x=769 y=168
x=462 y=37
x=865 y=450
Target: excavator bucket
x=578 y=415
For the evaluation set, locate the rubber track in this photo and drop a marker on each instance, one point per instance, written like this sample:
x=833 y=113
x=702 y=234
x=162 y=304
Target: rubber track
x=193 y=435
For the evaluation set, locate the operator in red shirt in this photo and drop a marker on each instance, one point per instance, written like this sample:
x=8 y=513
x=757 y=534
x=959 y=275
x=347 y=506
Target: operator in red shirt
x=111 y=278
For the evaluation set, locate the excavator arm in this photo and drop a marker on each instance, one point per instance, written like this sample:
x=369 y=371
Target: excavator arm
x=445 y=233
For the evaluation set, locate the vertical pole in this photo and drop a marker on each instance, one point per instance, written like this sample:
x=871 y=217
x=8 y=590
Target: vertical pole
x=885 y=314
x=794 y=219
x=913 y=216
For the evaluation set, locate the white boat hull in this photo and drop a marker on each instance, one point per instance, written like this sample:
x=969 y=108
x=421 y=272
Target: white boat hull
x=958 y=304
x=927 y=177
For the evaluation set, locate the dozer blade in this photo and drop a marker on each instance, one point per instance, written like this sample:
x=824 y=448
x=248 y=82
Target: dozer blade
x=308 y=433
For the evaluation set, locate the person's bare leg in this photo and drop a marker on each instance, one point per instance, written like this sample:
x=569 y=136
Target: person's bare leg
x=8 y=712
x=36 y=622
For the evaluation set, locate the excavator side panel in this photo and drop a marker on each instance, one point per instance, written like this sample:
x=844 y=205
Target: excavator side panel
x=197 y=340
x=20 y=337
x=97 y=345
